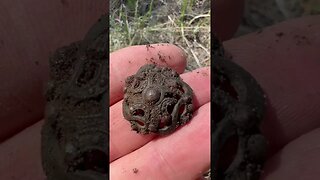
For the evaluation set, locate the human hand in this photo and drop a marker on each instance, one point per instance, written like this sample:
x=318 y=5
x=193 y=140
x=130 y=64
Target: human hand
x=284 y=59
x=184 y=154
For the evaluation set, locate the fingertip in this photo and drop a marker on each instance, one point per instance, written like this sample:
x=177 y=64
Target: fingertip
x=199 y=81
x=161 y=54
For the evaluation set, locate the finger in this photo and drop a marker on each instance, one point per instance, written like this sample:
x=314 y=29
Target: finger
x=227 y=16
x=299 y=159
x=285 y=61
x=21 y=155
x=127 y=61
x=182 y=155
x=120 y=130
x=31 y=31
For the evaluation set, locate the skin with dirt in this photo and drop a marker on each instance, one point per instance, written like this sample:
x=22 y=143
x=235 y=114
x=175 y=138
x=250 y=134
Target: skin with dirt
x=74 y=135
x=157 y=100
x=238 y=108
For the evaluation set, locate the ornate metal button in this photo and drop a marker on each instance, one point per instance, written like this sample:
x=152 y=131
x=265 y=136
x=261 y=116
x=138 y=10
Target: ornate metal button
x=74 y=135
x=238 y=109
x=156 y=100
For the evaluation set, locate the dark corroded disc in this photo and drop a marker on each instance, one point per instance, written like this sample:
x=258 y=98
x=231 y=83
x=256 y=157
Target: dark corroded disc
x=156 y=100
x=74 y=135
x=238 y=108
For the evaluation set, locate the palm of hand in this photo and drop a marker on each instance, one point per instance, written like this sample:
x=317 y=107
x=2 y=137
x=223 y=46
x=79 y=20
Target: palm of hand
x=138 y=156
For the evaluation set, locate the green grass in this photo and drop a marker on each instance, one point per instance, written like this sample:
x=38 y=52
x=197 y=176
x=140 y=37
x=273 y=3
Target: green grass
x=187 y=27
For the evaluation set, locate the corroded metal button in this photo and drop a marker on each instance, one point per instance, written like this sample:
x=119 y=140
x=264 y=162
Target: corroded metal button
x=156 y=100
x=74 y=142
x=238 y=109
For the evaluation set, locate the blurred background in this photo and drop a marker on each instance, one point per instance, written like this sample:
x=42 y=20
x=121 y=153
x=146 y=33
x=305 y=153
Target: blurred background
x=259 y=14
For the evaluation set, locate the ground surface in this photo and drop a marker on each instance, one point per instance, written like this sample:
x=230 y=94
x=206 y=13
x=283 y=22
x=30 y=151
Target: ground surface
x=185 y=23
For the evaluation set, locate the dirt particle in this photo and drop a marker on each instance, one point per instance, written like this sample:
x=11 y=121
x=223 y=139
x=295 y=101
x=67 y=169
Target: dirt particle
x=204 y=73
x=135 y=170
x=148 y=46
x=129 y=62
x=301 y=40
x=279 y=34
x=162 y=58
x=259 y=31
x=36 y=62
x=152 y=60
